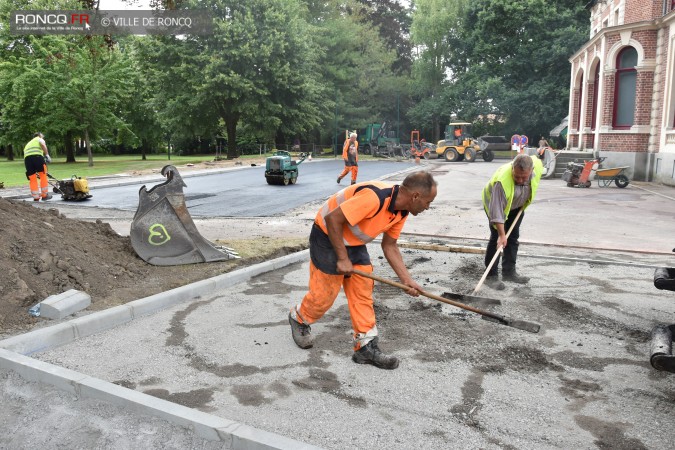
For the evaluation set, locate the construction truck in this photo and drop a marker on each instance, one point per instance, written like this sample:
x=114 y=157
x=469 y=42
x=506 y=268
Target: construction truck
x=459 y=144
x=376 y=140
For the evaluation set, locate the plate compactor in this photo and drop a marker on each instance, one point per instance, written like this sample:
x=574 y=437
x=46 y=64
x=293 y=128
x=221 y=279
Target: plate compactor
x=76 y=188
x=662 y=357
x=163 y=233
x=281 y=169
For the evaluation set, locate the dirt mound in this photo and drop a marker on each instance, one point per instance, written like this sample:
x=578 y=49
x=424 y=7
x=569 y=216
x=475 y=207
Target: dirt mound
x=43 y=253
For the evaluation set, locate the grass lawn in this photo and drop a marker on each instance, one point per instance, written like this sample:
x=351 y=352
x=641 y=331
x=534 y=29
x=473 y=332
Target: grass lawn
x=13 y=173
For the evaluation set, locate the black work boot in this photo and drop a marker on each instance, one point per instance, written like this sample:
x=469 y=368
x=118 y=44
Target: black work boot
x=302 y=334
x=339 y=179
x=353 y=181
x=371 y=354
x=47 y=197
x=515 y=278
x=494 y=282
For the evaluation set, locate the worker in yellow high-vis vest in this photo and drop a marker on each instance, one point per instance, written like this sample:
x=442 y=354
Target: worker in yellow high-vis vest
x=35 y=158
x=511 y=189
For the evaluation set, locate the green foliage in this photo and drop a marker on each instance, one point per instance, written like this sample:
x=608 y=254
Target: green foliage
x=276 y=70
x=511 y=68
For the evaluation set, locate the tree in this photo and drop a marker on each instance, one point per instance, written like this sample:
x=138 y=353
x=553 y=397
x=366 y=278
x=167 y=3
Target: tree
x=356 y=65
x=513 y=61
x=393 y=23
x=435 y=23
x=257 y=67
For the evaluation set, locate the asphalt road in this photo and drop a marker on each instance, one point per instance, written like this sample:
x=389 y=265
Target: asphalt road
x=245 y=193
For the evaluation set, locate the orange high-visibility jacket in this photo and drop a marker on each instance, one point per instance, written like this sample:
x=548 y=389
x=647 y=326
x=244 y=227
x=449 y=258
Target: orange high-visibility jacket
x=345 y=150
x=369 y=209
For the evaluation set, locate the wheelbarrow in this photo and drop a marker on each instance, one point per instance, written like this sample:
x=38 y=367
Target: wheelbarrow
x=580 y=174
x=615 y=174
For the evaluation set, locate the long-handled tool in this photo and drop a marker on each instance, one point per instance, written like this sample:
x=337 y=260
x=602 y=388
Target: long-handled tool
x=520 y=324
x=497 y=253
x=55 y=186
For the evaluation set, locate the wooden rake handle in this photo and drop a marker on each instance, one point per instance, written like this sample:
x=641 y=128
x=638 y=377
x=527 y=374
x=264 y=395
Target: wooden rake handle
x=497 y=253
x=426 y=294
x=520 y=324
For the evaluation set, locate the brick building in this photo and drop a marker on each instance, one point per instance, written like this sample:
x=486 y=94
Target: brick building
x=622 y=89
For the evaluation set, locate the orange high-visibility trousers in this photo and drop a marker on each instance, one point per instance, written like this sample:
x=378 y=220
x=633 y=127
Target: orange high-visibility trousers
x=41 y=190
x=353 y=169
x=324 y=289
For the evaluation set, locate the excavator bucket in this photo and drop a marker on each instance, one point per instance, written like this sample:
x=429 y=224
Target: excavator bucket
x=163 y=233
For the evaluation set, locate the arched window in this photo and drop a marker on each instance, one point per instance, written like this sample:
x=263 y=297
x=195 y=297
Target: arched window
x=596 y=87
x=624 y=88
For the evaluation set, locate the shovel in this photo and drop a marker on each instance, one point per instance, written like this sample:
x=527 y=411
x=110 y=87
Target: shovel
x=520 y=324
x=497 y=253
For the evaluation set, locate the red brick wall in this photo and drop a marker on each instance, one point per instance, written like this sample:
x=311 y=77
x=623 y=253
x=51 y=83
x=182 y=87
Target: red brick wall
x=646 y=38
x=641 y=10
x=575 y=109
x=624 y=142
x=589 y=105
x=588 y=140
x=608 y=104
x=572 y=140
x=643 y=98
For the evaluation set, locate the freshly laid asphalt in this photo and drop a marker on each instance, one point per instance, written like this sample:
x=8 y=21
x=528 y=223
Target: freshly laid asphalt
x=217 y=356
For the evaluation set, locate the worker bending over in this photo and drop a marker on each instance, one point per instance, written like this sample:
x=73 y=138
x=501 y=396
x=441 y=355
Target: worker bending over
x=337 y=245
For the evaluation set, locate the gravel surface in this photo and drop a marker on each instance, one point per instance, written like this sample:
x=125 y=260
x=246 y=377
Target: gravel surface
x=583 y=382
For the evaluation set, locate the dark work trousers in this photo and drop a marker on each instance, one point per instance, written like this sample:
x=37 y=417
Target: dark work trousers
x=511 y=249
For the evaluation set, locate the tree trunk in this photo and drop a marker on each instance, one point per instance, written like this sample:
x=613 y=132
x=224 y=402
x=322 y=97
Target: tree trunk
x=68 y=144
x=10 y=152
x=89 y=155
x=231 y=125
x=144 y=147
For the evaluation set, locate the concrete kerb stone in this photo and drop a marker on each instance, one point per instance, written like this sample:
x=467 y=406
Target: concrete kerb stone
x=34 y=370
x=13 y=357
x=206 y=426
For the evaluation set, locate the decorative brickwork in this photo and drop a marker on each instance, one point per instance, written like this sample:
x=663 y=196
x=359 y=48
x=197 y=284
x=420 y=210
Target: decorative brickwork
x=646 y=26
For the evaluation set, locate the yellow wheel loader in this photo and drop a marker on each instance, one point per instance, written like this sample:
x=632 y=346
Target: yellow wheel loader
x=459 y=144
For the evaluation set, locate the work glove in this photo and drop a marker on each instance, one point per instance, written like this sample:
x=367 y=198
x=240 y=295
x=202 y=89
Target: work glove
x=48 y=159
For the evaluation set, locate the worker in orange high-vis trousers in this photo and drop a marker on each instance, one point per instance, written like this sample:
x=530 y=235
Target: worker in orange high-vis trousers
x=35 y=157
x=337 y=245
x=350 y=155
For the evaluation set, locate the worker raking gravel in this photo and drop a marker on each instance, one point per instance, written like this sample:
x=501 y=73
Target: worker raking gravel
x=337 y=244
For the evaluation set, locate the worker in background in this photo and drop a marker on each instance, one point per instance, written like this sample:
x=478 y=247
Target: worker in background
x=337 y=245
x=511 y=188
x=35 y=157
x=458 y=135
x=543 y=146
x=350 y=155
